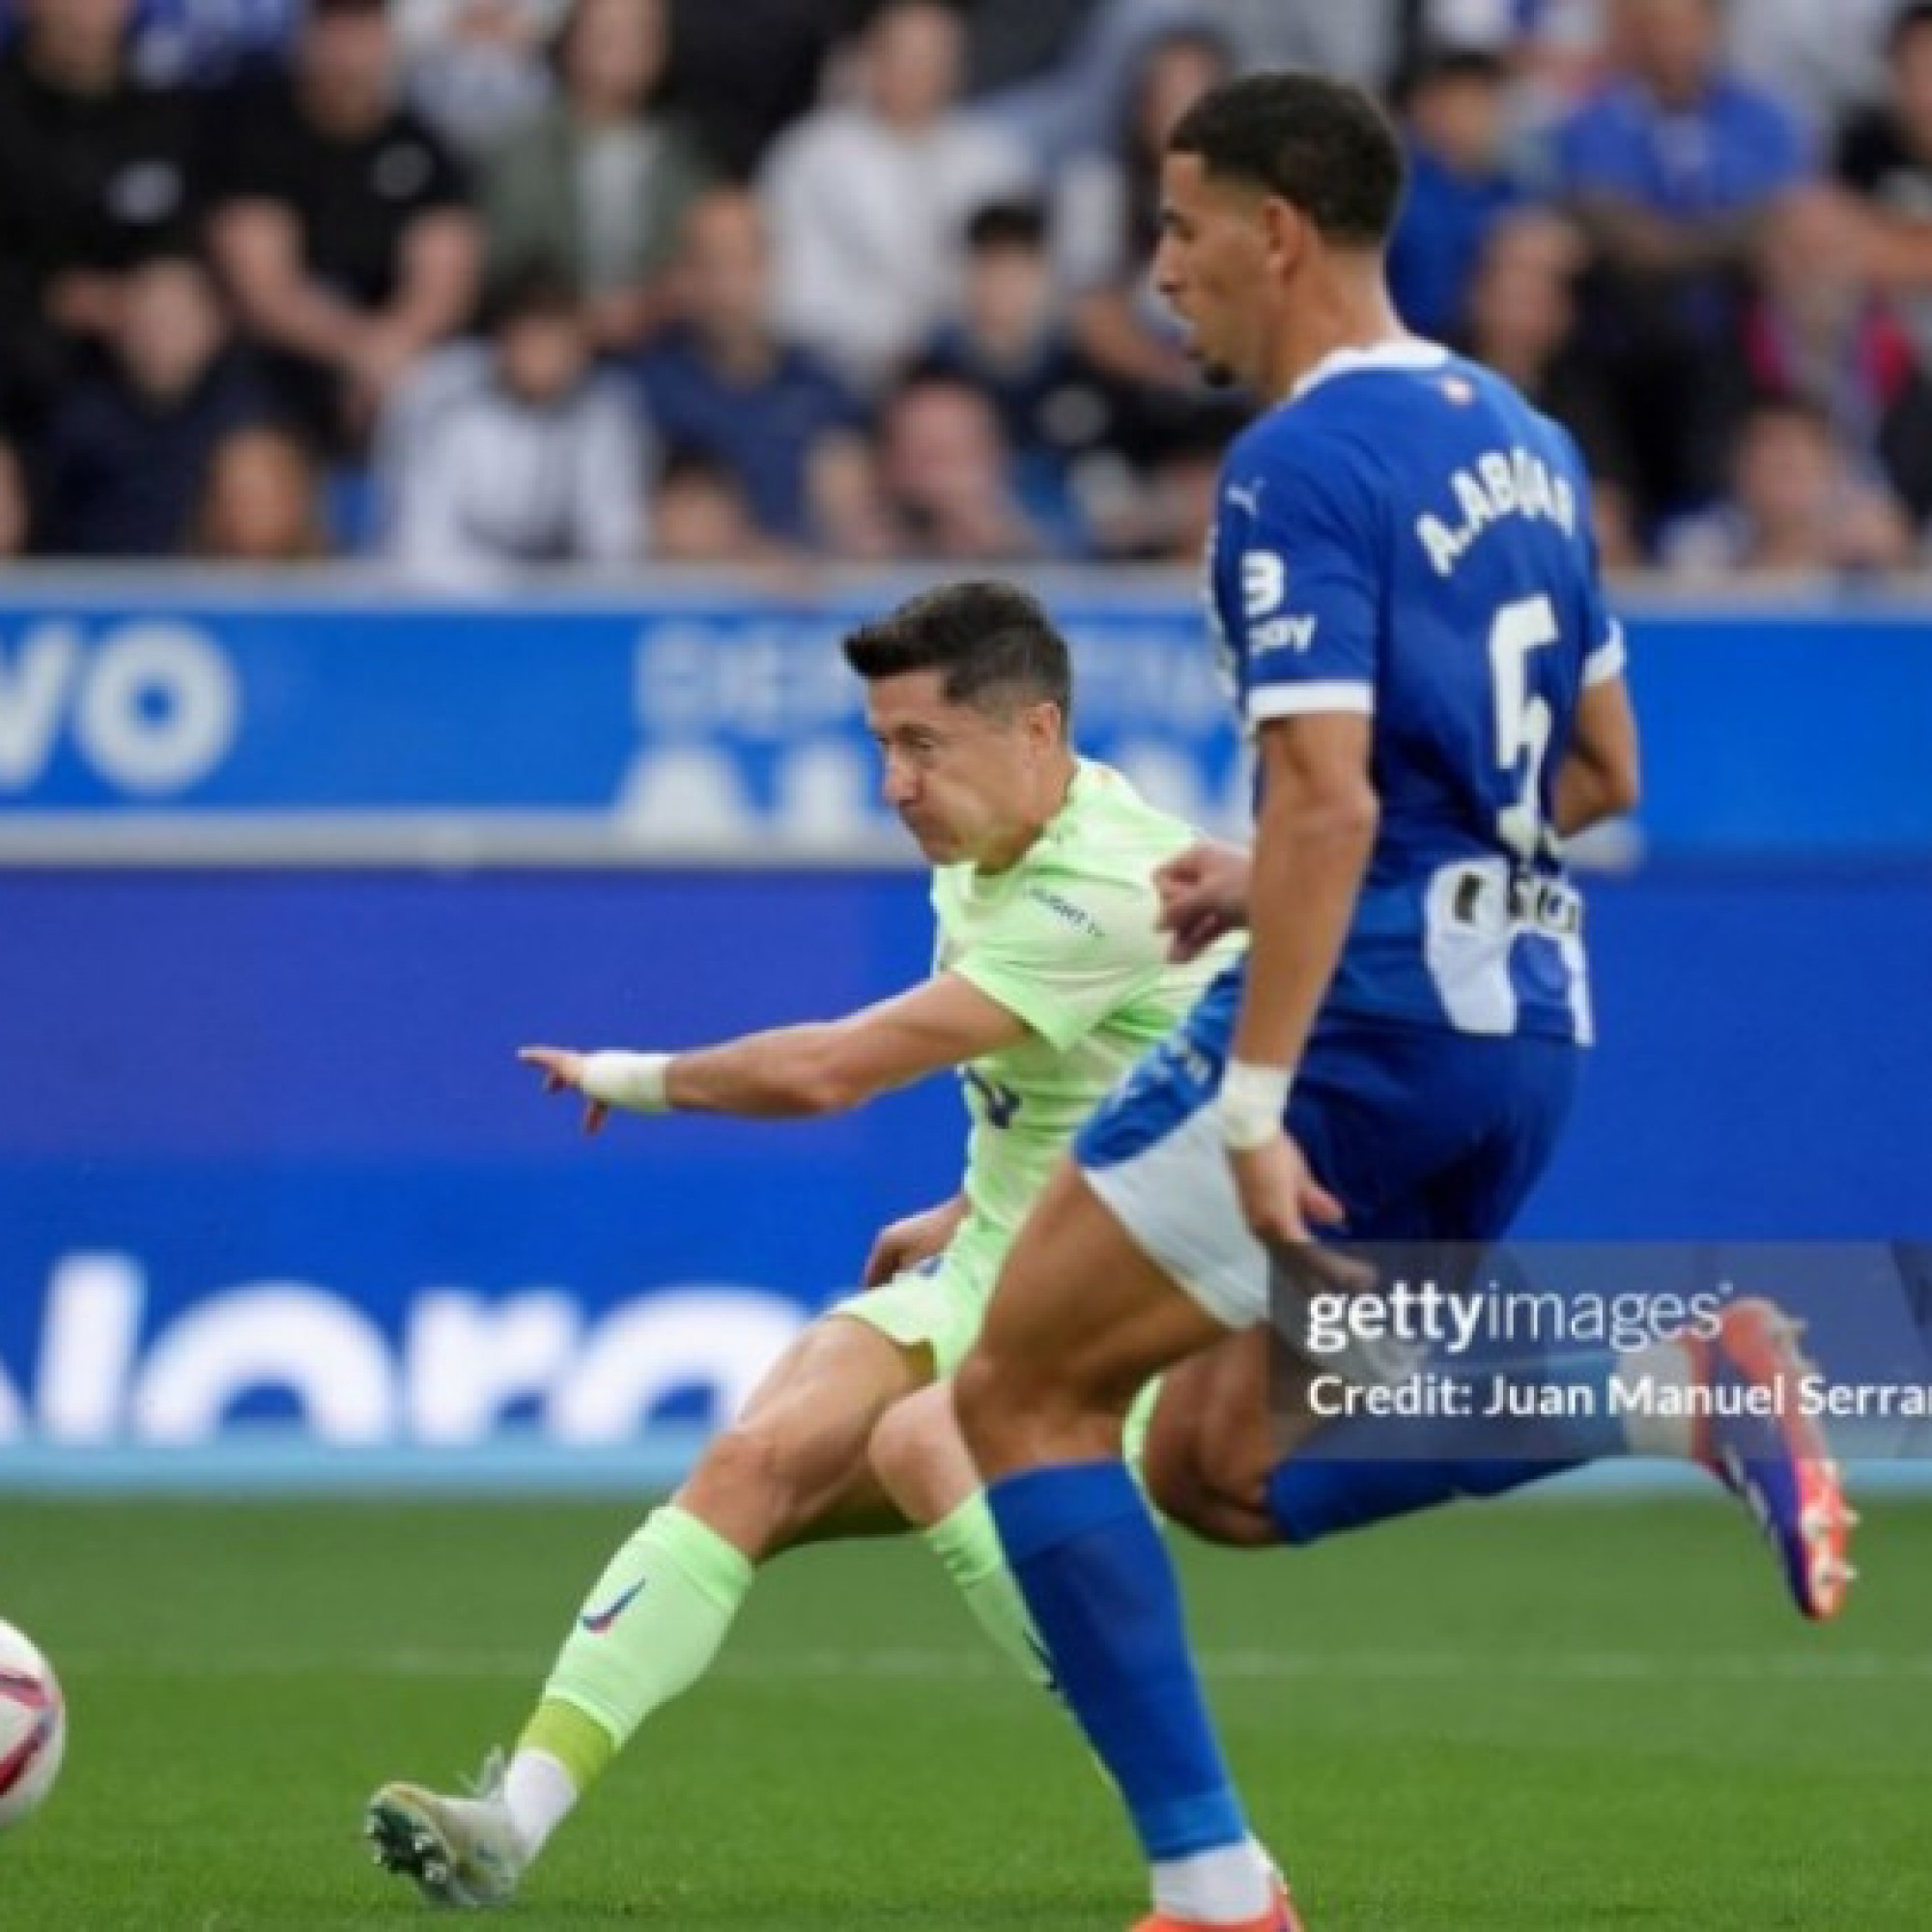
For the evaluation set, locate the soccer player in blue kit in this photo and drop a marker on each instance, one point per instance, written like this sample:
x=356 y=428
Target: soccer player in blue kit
x=1404 y=587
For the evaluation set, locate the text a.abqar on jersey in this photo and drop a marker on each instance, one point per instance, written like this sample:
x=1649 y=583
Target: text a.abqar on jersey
x=1499 y=484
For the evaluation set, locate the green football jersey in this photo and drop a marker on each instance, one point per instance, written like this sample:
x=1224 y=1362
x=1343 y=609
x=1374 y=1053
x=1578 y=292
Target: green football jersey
x=1064 y=939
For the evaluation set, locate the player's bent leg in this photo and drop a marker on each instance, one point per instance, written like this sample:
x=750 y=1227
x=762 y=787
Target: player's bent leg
x=794 y=1461
x=1221 y=1425
x=1080 y=1320
x=658 y=1615
x=918 y=1455
x=922 y=1462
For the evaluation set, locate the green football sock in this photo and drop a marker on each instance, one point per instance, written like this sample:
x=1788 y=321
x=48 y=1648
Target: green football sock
x=580 y=1745
x=649 y=1630
x=968 y=1544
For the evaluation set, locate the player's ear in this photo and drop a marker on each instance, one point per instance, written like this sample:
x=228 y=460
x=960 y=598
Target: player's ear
x=1286 y=231
x=1045 y=726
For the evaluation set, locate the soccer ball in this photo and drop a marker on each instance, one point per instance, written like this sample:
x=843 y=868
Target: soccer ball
x=33 y=1727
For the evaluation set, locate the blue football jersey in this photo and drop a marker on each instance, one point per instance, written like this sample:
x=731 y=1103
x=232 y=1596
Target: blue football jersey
x=1406 y=537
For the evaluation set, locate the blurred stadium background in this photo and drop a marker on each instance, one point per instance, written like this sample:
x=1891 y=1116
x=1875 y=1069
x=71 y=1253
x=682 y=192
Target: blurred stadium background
x=436 y=461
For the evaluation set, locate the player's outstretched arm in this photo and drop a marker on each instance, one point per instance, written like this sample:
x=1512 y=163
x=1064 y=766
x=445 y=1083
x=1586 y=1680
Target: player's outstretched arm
x=824 y=1066
x=1599 y=778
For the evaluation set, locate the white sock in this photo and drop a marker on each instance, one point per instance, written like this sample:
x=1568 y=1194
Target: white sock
x=539 y=1795
x=1228 y=1885
x=1665 y=1366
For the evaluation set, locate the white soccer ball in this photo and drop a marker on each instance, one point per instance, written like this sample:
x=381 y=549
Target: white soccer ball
x=32 y=1726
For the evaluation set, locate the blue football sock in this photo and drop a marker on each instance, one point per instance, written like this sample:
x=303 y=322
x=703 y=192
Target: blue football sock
x=1372 y=1469
x=1102 y=1593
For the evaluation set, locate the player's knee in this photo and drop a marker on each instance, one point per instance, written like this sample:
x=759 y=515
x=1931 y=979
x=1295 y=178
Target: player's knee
x=918 y=1455
x=1006 y=1403
x=746 y=1468
x=983 y=1406
x=1211 y=1483
x=1186 y=1494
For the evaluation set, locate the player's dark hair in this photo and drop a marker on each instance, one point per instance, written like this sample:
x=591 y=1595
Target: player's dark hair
x=994 y=643
x=1322 y=145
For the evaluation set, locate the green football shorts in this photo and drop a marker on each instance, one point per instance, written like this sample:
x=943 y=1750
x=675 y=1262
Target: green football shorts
x=929 y=1307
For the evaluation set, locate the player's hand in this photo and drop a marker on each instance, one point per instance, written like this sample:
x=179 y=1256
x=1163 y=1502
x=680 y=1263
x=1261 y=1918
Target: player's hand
x=1281 y=1200
x=562 y=1073
x=1203 y=894
x=907 y=1243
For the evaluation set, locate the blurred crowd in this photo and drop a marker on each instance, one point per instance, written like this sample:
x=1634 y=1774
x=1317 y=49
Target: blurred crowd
x=472 y=285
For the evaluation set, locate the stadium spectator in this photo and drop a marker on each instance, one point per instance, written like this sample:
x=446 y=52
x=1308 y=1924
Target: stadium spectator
x=948 y=479
x=1547 y=43
x=1106 y=217
x=1083 y=60
x=344 y=228
x=195 y=43
x=497 y=455
x=1013 y=42
x=1010 y=339
x=128 y=447
x=1172 y=510
x=1885 y=155
x=1669 y=166
x=1796 y=507
x=262 y=500
x=1522 y=319
x=869 y=199
x=701 y=514
x=599 y=185
x=477 y=70
x=1825 y=61
x=96 y=173
x=1818 y=328
x=720 y=381
x=746 y=70
x=1455 y=121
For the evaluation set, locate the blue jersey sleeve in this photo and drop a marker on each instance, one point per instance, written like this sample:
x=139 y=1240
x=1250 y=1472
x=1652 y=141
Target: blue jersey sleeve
x=1297 y=583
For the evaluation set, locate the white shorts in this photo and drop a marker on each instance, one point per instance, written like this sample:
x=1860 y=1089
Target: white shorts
x=1176 y=1199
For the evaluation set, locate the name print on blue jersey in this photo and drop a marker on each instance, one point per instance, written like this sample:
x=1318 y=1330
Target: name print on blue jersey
x=1500 y=483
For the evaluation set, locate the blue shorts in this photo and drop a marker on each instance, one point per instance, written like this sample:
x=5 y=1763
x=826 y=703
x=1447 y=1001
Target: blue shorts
x=1422 y=1135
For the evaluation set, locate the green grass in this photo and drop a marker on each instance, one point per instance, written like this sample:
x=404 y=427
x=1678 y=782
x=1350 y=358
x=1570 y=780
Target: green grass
x=1531 y=1719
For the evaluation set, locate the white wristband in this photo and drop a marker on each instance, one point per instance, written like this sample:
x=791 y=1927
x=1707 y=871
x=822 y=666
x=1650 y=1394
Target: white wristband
x=1252 y=1102
x=635 y=1082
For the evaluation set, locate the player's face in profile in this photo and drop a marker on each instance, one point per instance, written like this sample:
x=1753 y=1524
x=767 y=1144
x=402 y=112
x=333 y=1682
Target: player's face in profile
x=1210 y=268
x=958 y=777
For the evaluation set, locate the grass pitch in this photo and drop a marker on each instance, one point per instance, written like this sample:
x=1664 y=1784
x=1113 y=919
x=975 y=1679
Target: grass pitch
x=1539 y=1718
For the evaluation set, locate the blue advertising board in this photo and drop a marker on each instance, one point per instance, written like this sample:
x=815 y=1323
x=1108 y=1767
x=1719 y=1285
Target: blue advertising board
x=668 y=724
x=265 y=1154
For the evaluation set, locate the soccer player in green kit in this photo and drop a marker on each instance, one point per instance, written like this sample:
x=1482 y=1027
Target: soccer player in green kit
x=1051 y=976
